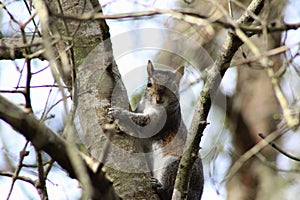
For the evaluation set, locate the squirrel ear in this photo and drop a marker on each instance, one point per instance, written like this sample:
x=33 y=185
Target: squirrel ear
x=179 y=73
x=150 y=68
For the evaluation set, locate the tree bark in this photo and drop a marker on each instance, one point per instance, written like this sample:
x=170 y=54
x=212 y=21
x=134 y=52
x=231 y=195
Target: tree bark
x=97 y=77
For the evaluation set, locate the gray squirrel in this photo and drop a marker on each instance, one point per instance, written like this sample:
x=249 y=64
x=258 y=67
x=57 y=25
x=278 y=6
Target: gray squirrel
x=162 y=134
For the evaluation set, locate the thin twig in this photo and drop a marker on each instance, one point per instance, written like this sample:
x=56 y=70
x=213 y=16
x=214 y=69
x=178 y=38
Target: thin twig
x=268 y=53
x=35 y=165
x=43 y=13
x=187 y=12
x=55 y=104
x=272 y=144
x=33 y=73
x=253 y=151
x=22 y=178
x=48 y=168
x=23 y=154
x=13 y=91
x=41 y=183
x=33 y=21
x=43 y=86
x=230 y=9
x=292 y=120
x=273 y=166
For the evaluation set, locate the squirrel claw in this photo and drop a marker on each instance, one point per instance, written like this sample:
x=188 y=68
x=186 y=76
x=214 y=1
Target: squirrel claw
x=155 y=184
x=114 y=111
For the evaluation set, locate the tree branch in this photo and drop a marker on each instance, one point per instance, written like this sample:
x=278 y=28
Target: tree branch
x=22 y=178
x=180 y=14
x=23 y=154
x=14 y=48
x=272 y=144
x=44 y=139
x=199 y=121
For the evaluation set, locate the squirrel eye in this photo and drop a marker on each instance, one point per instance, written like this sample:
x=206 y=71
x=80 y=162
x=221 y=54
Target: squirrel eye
x=149 y=84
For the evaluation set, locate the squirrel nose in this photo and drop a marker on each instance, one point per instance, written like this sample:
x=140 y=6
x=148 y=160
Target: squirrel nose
x=158 y=99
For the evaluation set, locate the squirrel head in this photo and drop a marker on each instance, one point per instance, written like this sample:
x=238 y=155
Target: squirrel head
x=163 y=85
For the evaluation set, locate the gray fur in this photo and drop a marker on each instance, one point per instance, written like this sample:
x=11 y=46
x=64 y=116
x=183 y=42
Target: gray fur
x=158 y=125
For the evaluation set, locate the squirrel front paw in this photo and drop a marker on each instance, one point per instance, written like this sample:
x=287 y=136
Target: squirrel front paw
x=120 y=116
x=113 y=110
x=155 y=184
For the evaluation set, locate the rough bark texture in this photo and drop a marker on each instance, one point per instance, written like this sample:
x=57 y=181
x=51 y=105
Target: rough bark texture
x=97 y=77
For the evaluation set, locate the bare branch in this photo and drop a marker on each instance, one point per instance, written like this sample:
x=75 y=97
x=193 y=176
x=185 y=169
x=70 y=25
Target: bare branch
x=23 y=154
x=22 y=178
x=269 y=53
x=181 y=13
x=291 y=119
x=13 y=91
x=41 y=182
x=44 y=139
x=253 y=151
x=279 y=149
x=14 y=48
x=199 y=123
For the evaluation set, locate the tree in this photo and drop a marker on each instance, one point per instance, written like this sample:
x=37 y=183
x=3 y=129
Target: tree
x=74 y=38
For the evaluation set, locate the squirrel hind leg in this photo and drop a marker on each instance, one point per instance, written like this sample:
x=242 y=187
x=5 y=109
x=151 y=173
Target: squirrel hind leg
x=162 y=192
x=163 y=179
x=197 y=181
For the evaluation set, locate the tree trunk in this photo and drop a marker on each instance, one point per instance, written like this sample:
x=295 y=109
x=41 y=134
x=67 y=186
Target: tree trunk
x=97 y=77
